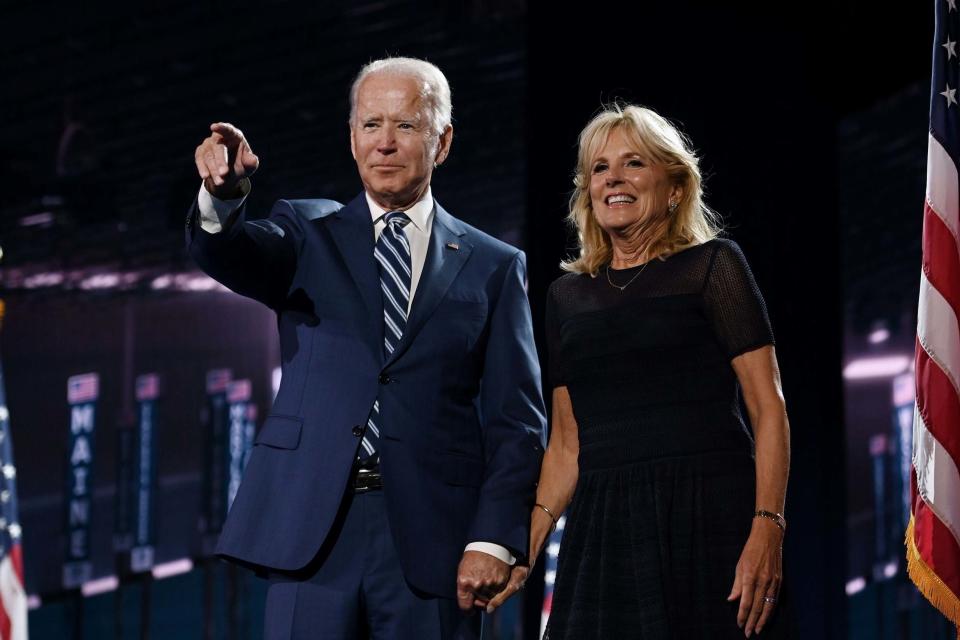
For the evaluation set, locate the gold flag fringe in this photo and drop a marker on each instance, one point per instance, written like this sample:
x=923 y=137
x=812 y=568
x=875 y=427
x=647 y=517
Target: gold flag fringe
x=929 y=583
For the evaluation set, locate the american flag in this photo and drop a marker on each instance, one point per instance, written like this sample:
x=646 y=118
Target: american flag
x=218 y=379
x=148 y=386
x=239 y=391
x=552 y=552
x=13 y=597
x=82 y=388
x=933 y=534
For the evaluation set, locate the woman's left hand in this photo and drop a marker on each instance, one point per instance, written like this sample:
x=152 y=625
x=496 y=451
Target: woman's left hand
x=758 y=575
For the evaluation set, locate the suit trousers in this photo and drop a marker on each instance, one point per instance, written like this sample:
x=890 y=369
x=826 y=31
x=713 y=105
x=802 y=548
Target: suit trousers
x=355 y=588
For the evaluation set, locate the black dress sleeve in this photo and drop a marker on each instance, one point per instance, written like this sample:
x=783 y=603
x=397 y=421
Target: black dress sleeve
x=733 y=302
x=552 y=333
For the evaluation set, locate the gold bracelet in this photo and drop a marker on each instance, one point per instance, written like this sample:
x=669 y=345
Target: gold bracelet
x=549 y=513
x=776 y=517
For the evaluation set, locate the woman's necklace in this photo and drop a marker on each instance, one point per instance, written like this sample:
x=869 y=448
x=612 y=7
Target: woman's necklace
x=630 y=281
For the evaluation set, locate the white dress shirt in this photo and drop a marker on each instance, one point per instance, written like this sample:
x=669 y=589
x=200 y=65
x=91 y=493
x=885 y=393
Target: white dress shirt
x=214 y=214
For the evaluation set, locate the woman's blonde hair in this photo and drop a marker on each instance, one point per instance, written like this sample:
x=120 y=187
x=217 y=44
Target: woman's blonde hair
x=692 y=223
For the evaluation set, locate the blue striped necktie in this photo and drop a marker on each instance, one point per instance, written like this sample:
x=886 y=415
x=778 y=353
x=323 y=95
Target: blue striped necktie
x=392 y=253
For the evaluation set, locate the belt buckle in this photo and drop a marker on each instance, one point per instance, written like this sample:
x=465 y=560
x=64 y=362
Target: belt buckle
x=367 y=480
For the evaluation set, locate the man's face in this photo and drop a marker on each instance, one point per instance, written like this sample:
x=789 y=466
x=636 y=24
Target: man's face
x=392 y=141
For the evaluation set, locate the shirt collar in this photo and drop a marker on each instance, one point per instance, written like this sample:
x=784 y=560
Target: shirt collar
x=420 y=213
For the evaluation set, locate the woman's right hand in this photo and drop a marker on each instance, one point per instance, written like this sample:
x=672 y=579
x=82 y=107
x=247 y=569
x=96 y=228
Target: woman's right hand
x=223 y=159
x=518 y=577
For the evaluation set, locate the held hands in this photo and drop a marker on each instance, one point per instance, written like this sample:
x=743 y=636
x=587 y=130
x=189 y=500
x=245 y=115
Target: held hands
x=224 y=159
x=758 y=576
x=518 y=576
x=480 y=577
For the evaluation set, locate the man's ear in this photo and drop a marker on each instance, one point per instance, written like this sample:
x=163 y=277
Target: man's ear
x=443 y=145
x=353 y=144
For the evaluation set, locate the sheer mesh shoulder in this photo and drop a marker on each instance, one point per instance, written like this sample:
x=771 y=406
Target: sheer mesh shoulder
x=733 y=302
x=552 y=333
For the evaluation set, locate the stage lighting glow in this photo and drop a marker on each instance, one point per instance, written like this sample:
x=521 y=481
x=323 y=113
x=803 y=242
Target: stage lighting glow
x=174 y=568
x=43 y=219
x=100 y=585
x=33 y=601
x=275 y=378
x=877 y=367
x=44 y=279
x=162 y=282
x=856 y=585
x=878 y=336
x=101 y=281
x=196 y=283
x=890 y=569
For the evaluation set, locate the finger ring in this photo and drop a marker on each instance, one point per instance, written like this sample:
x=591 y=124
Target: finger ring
x=770 y=599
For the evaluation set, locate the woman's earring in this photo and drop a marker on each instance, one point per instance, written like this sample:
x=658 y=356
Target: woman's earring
x=673 y=206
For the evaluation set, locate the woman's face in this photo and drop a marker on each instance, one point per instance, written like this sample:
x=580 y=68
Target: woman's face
x=626 y=188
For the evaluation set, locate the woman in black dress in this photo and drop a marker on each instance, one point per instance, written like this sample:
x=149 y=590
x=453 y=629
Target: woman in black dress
x=675 y=523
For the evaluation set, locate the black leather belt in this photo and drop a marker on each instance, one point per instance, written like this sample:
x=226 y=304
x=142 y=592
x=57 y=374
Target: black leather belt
x=367 y=480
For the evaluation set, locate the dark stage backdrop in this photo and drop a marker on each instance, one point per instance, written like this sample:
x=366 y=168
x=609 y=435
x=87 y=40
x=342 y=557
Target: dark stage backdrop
x=102 y=109
x=178 y=336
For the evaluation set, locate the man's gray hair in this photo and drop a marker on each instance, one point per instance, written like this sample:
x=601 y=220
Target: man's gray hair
x=434 y=88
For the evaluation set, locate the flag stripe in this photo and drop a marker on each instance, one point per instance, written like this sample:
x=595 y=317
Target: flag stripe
x=938 y=332
x=936 y=546
x=13 y=596
x=941 y=258
x=942 y=185
x=5 y=625
x=937 y=403
x=938 y=481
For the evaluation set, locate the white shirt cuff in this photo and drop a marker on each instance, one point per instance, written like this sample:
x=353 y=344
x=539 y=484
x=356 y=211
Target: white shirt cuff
x=495 y=550
x=215 y=212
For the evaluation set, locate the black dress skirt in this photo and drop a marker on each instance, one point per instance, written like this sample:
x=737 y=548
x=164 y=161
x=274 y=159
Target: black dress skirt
x=665 y=497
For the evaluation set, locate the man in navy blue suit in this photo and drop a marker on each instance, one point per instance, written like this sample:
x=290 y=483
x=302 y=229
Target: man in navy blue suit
x=390 y=488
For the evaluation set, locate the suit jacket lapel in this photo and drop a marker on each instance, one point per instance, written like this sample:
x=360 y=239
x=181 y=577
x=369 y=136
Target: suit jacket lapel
x=446 y=255
x=352 y=232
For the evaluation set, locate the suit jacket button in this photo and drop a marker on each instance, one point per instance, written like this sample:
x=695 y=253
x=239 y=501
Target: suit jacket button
x=384 y=378
x=357 y=430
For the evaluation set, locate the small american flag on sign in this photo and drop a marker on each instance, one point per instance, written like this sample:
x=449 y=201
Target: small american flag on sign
x=148 y=386
x=218 y=379
x=239 y=391
x=83 y=388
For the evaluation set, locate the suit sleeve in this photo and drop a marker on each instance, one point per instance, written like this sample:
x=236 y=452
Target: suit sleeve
x=255 y=258
x=512 y=417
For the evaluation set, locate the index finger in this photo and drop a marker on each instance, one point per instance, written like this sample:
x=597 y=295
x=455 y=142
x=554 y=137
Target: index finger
x=227 y=130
